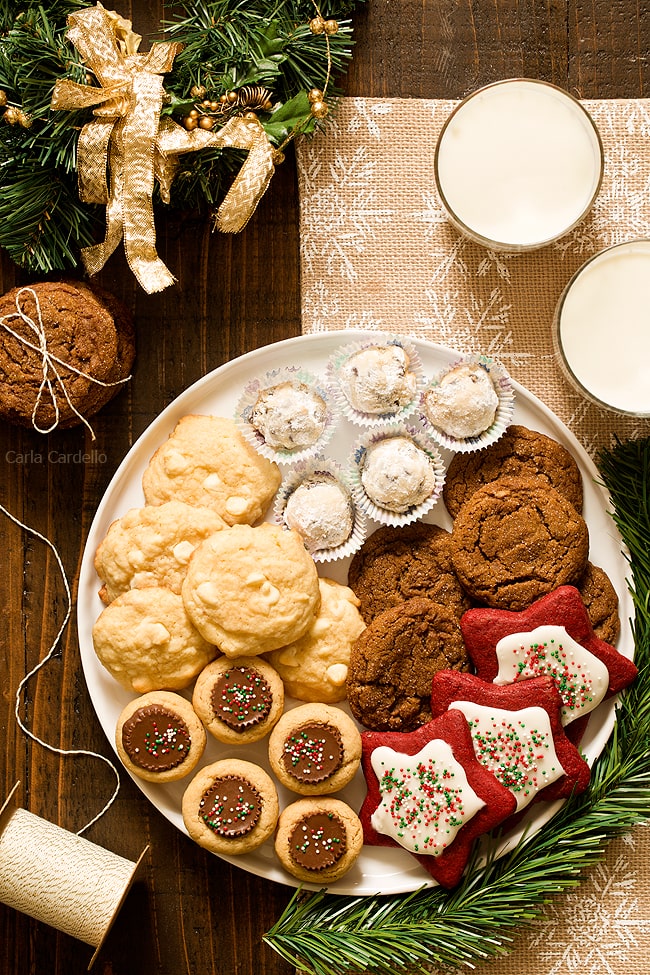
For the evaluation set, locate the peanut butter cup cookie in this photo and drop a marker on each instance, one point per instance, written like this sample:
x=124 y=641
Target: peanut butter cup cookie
x=318 y=840
x=315 y=749
x=520 y=452
x=393 y=662
x=396 y=564
x=159 y=737
x=515 y=540
x=238 y=701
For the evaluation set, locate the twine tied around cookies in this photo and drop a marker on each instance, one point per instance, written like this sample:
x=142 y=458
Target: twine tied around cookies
x=49 y=363
x=129 y=140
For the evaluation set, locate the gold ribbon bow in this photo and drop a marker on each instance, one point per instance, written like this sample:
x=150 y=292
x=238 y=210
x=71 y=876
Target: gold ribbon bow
x=128 y=139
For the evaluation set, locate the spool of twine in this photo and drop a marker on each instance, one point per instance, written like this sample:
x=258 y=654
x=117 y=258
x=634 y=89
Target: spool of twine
x=61 y=878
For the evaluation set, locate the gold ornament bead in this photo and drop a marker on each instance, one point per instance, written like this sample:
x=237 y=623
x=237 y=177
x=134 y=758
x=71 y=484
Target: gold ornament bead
x=232 y=97
x=3 y=97
x=250 y=116
x=11 y=115
x=277 y=157
x=223 y=99
x=193 y=113
x=190 y=123
x=267 y=106
x=331 y=26
x=319 y=109
x=315 y=95
x=198 y=91
x=206 y=122
x=317 y=25
x=24 y=119
x=215 y=106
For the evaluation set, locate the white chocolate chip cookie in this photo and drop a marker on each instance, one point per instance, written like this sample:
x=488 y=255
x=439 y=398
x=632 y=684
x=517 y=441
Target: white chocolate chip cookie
x=146 y=641
x=250 y=590
x=206 y=462
x=315 y=666
x=151 y=546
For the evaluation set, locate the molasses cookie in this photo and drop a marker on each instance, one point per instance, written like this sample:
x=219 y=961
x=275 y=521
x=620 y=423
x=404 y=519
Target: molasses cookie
x=315 y=749
x=515 y=540
x=393 y=662
x=238 y=701
x=395 y=564
x=601 y=601
x=230 y=807
x=519 y=452
x=159 y=738
x=318 y=840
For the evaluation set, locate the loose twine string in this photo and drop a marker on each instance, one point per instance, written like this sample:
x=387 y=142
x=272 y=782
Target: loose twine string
x=49 y=363
x=48 y=656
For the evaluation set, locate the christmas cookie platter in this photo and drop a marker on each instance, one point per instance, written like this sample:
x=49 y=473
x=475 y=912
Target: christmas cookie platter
x=379 y=868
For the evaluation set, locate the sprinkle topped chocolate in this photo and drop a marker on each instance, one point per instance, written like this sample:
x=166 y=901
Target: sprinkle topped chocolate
x=318 y=841
x=155 y=738
x=231 y=807
x=241 y=698
x=313 y=752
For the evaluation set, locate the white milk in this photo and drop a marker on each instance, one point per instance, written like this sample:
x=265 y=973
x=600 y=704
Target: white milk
x=603 y=327
x=518 y=164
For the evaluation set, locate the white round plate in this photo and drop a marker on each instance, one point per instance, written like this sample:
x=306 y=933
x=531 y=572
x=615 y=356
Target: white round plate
x=378 y=869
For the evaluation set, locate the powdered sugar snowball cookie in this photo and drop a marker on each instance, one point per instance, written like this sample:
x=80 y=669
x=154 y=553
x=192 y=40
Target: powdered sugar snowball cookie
x=159 y=737
x=238 y=701
x=147 y=642
x=396 y=475
x=151 y=546
x=468 y=405
x=316 y=501
x=315 y=749
x=318 y=840
x=250 y=590
x=230 y=806
x=315 y=666
x=376 y=380
x=207 y=462
x=286 y=414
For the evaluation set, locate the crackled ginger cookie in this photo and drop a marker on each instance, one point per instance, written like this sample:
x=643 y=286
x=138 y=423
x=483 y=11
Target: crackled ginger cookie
x=146 y=641
x=251 y=590
x=206 y=462
x=151 y=546
x=315 y=666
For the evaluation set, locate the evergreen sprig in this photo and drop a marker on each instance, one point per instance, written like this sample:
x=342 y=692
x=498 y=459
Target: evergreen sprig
x=328 y=935
x=227 y=44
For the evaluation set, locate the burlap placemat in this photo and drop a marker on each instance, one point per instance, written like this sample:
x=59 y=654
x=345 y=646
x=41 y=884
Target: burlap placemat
x=378 y=252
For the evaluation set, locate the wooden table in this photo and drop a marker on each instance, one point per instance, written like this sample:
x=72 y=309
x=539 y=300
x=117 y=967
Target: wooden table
x=190 y=912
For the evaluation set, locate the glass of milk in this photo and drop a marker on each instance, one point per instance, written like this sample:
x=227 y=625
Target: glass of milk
x=602 y=328
x=518 y=164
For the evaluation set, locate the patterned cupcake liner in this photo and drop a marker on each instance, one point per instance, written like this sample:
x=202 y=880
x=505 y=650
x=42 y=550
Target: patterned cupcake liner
x=249 y=397
x=337 y=383
x=504 y=412
x=355 y=466
x=327 y=470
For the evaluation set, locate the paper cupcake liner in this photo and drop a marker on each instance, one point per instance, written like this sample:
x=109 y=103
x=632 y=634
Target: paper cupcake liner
x=383 y=515
x=247 y=402
x=336 y=382
x=504 y=412
x=327 y=469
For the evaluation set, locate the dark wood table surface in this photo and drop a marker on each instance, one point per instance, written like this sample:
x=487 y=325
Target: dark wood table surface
x=189 y=912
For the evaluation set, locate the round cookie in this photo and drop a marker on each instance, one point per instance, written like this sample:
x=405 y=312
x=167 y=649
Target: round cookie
x=159 y=738
x=85 y=328
x=396 y=564
x=601 y=602
x=207 y=462
x=238 y=701
x=515 y=540
x=318 y=840
x=146 y=641
x=393 y=662
x=315 y=667
x=315 y=749
x=520 y=452
x=230 y=807
x=250 y=590
x=151 y=546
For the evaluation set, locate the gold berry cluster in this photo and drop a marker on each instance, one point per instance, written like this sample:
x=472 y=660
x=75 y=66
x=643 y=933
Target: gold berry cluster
x=13 y=115
x=207 y=111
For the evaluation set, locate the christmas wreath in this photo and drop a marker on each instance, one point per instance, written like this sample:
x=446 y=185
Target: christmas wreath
x=231 y=84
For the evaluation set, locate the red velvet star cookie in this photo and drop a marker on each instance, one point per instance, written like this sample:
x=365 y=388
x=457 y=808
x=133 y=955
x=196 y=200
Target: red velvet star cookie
x=428 y=794
x=517 y=733
x=582 y=682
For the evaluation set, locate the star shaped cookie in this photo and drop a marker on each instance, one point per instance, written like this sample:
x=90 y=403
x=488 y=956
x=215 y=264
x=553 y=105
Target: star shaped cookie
x=428 y=794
